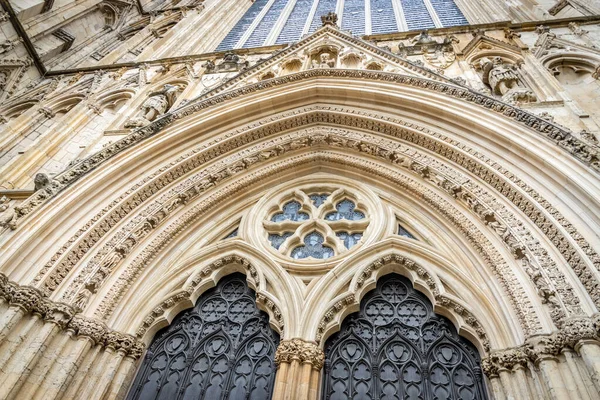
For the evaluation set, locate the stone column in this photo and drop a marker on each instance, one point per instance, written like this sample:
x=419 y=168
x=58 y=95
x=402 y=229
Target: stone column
x=522 y=384
x=299 y=364
x=87 y=333
x=590 y=353
x=496 y=388
x=18 y=369
x=577 y=378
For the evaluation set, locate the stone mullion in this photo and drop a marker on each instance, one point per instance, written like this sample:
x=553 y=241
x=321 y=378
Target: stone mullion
x=253 y=25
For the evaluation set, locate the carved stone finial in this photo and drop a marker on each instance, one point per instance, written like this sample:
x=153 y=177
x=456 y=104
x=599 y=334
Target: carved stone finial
x=329 y=19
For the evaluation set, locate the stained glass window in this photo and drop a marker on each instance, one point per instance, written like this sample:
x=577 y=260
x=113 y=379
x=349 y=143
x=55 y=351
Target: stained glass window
x=318 y=199
x=349 y=239
x=353 y=18
x=232 y=234
x=291 y=212
x=345 y=210
x=383 y=19
x=277 y=240
x=223 y=348
x=403 y=232
x=292 y=30
x=329 y=232
x=396 y=347
x=313 y=247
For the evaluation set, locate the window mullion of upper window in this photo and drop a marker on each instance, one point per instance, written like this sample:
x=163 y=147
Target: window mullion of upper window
x=311 y=15
x=434 y=16
x=368 y=28
x=281 y=21
x=399 y=12
x=254 y=24
x=339 y=10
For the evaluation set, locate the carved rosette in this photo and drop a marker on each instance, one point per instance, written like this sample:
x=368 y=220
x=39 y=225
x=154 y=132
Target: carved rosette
x=300 y=350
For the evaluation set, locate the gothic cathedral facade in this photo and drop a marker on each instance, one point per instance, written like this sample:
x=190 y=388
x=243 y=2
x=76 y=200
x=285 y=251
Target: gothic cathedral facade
x=300 y=199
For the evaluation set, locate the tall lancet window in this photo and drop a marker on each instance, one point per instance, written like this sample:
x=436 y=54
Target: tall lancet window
x=223 y=348
x=396 y=347
x=268 y=22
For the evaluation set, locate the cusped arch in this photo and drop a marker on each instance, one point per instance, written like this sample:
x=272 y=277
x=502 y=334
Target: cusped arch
x=353 y=279
x=181 y=286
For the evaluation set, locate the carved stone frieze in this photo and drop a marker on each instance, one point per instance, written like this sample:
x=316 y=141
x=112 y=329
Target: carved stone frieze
x=301 y=351
x=32 y=301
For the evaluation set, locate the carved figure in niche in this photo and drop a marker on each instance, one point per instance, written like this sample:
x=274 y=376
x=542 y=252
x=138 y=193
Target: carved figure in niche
x=325 y=61
x=155 y=105
x=504 y=80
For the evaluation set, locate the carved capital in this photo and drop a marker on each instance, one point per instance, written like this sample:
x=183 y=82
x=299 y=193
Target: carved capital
x=59 y=313
x=544 y=346
x=88 y=327
x=578 y=329
x=298 y=349
x=504 y=359
x=28 y=298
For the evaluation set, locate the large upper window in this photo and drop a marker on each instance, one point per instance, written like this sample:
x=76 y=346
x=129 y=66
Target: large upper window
x=270 y=22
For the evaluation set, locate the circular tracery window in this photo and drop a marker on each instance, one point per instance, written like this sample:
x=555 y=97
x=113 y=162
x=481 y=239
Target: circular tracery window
x=316 y=224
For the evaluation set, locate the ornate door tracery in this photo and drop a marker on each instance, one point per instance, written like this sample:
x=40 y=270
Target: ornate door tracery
x=223 y=348
x=395 y=347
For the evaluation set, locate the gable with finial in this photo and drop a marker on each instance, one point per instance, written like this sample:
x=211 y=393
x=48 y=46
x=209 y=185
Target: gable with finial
x=327 y=48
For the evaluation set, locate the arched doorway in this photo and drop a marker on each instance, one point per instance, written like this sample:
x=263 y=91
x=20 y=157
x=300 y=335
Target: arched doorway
x=396 y=347
x=223 y=348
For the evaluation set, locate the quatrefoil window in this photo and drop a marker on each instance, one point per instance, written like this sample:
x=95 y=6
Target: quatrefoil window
x=316 y=225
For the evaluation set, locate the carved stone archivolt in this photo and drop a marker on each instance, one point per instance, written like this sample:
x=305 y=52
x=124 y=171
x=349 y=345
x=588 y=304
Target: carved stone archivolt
x=452 y=188
x=563 y=137
x=510 y=237
x=529 y=319
x=301 y=351
x=571 y=254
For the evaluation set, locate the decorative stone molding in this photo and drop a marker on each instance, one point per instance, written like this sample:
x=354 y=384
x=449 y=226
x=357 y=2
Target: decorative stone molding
x=539 y=347
x=524 y=203
x=300 y=350
x=493 y=259
x=368 y=271
x=432 y=173
x=503 y=359
x=564 y=138
x=509 y=191
x=185 y=294
x=31 y=300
